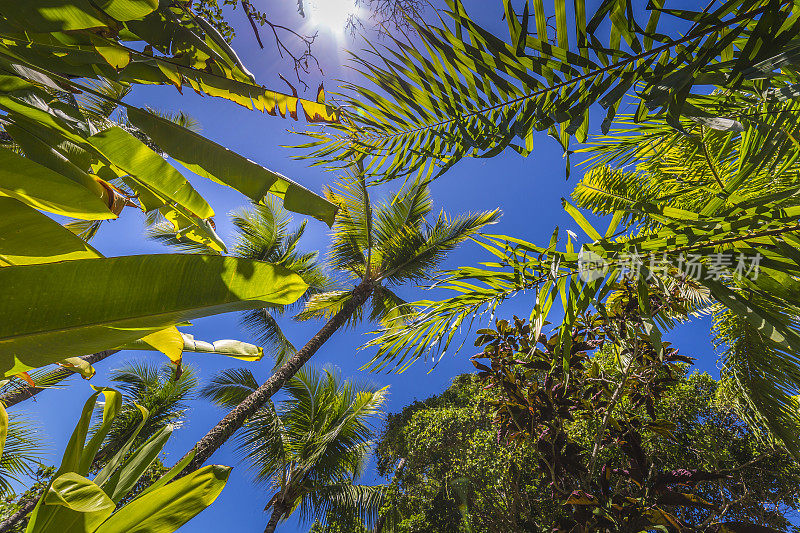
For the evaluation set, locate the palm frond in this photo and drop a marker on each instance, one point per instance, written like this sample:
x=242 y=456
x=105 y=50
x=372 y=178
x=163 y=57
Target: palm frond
x=464 y=92
x=229 y=387
x=268 y=333
x=412 y=255
x=181 y=118
x=100 y=104
x=345 y=500
x=315 y=441
x=327 y=304
x=85 y=229
x=352 y=234
x=21 y=454
x=154 y=388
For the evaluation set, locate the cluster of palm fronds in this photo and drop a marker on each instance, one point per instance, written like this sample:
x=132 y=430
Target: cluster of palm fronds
x=467 y=92
x=707 y=166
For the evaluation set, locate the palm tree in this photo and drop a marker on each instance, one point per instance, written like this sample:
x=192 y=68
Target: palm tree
x=21 y=452
x=310 y=448
x=263 y=233
x=652 y=163
x=157 y=389
x=376 y=247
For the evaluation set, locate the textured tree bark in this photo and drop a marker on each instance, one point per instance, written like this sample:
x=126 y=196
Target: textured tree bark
x=25 y=393
x=20 y=517
x=234 y=420
x=277 y=513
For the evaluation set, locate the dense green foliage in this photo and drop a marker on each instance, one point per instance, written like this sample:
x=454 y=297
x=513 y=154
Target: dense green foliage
x=594 y=427
x=452 y=461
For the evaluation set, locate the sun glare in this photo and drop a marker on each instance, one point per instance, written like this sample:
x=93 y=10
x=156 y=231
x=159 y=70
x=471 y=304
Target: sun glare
x=331 y=14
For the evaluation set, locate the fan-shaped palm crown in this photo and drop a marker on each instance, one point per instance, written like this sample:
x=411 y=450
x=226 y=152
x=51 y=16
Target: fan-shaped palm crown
x=311 y=447
x=388 y=244
x=156 y=389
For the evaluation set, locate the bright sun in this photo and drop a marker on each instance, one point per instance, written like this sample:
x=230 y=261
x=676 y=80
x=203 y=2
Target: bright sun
x=332 y=14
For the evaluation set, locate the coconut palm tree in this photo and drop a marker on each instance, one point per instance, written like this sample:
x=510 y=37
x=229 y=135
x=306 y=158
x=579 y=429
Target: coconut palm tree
x=375 y=248
x=158 y=389
x=310 y=448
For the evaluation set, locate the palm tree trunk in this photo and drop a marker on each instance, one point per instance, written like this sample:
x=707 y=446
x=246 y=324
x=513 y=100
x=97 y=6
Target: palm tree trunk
x=56 y=376
x=277 y=513
x=21 y=516
x=234 y=420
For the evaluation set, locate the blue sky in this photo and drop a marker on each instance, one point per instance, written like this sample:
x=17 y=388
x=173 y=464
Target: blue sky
x=527 y=190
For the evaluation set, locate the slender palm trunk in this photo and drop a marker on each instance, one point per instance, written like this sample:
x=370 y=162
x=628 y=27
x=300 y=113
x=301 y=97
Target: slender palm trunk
x=277 y=513
x=234 y=420
x=21 y=516
x=56 y=376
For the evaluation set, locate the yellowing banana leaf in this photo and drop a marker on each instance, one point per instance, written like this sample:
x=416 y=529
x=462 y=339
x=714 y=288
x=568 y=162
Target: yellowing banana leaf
x=186 y=225
x=230 y=348
x=29 y=237
x=79 y=366
x=42 y=188
x=58 y=310
x=168 y=508
x=134 y=157
x=209 y=159
x=167 y=341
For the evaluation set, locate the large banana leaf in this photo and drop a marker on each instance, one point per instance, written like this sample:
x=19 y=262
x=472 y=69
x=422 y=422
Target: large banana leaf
x=57 y=310
x=29 y=237
x=134 y=157
x=216 y=162
x=61 y=15
x=45 y=189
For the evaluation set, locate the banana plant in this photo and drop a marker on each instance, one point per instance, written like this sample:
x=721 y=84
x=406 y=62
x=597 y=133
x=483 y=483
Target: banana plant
x=57 y=158
x=73 y=503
